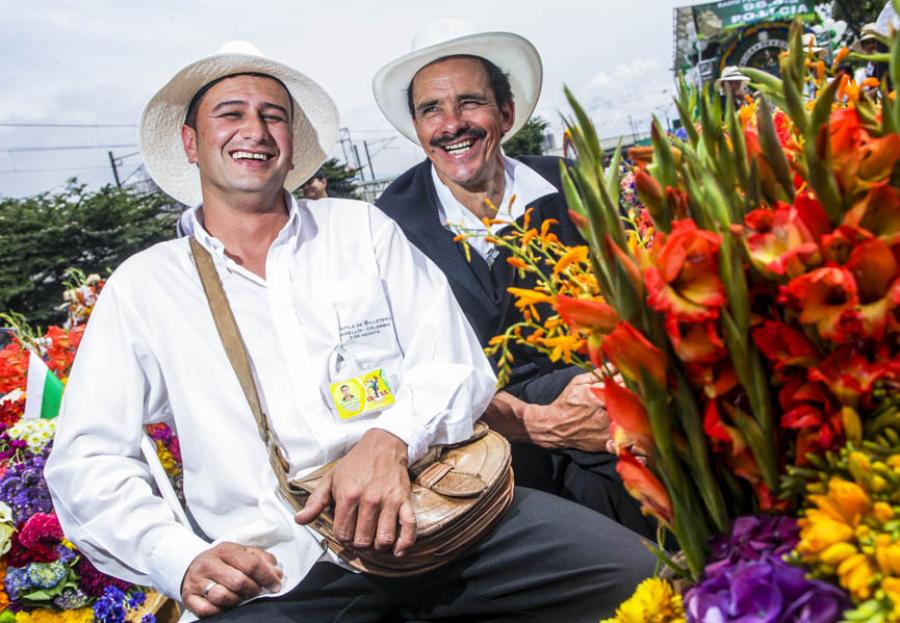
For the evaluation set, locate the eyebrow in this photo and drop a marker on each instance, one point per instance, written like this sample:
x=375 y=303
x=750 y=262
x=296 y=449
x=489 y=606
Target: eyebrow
x=462 y=96
x=227 y=103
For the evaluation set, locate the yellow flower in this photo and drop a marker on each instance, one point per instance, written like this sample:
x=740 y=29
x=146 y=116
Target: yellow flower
x=654 y=601
x=563 y=346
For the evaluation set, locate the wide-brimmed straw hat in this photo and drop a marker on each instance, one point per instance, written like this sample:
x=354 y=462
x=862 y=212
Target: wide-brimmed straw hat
x=869 y=32
x=512 y=53
x=315 y=119
x=732 y=74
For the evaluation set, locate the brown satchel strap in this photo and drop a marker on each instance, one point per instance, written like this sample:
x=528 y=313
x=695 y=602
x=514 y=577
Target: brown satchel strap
x=236 y=350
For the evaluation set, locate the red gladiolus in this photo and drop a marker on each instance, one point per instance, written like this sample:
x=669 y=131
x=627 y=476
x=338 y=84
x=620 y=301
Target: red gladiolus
x=860 y=161
x=629 y=421
x=588 y=314
x=645 y=487
x=779 y=242
x=850 y=376
x=878 y=213
x=683 y=280
x=627 y=262
x=875 y=270
x=785 y=345
x=632 y=353
x=822 y=297
x=697 y=343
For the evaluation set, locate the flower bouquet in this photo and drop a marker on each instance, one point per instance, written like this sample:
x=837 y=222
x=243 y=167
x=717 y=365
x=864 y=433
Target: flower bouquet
x=750 y=300
x=44 y=577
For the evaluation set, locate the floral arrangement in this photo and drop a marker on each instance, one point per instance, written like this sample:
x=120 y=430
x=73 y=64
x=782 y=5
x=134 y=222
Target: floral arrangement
x=750 y=300
x=44 y=577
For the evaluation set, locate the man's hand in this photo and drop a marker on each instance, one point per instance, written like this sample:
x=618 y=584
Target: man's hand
x=576 y=419
x=371 y=494
x=225 y=575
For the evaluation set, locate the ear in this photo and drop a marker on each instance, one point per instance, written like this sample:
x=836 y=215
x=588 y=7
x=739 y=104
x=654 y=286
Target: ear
x=507 y=116
x=189 y=141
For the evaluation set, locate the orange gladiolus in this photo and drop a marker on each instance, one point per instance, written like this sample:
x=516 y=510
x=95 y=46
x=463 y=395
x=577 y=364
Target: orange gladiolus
x=633 y=354
x=878 y=213
x=779 y=242
x=877 y=276
x=860 y=160
x=683 y=281
x=645 y=487
x=589 y=314
x=785 y=345
x=822 y=297
x=629 y=421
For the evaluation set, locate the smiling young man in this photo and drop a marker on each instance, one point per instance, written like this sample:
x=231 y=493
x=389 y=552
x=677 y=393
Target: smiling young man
x=231 y=135
x=459 y=94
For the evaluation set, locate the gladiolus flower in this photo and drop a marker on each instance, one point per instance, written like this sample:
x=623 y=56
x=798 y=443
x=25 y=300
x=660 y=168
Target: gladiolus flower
x=850 y=377
x=634 y=355
x=860 y=160
x=649 y=192
x=683 y=281
x=878 y=213
x=784 y=345
x=698 y=343
x=627 y=416
x=588 y=314
x=645 y=487
x=822 y=296
x=875 y=270
x=779 y=242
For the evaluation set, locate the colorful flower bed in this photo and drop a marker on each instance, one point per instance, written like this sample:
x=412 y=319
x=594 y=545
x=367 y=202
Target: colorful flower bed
x=44 y=577
x=750 y=300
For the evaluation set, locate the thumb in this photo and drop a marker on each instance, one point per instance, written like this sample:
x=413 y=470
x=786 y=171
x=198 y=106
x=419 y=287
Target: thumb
x=317 y=502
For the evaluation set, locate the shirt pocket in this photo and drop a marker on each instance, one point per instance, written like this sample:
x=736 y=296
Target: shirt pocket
x=367 y=337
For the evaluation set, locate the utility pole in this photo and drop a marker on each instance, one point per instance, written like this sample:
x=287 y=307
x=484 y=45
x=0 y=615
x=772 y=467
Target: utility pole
x=369 y=158
x=362 y=172
x=112 y=163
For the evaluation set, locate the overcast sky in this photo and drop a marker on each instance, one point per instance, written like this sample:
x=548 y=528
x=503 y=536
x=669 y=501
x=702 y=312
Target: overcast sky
x=99 y=61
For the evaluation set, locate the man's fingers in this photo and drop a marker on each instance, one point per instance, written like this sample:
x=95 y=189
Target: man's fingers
x=316 y=502
x=345 y=509
x=221 y=596
x=407 y=520
x=386 y=531
x=200 y=606
x=367 y=519
x=258 y=566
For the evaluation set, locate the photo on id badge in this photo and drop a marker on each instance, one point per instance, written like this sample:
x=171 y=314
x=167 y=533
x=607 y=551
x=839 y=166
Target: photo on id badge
x=364 y=365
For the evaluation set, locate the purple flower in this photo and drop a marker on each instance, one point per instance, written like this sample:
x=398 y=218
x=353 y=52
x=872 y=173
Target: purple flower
x=148 y=618
x=23 y=487
x=110 y=608
x=767 y=590
x=17 y=581
x=752 y=538
x=71 y=599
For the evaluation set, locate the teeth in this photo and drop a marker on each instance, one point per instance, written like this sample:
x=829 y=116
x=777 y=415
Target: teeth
x=458 y=148
x=247 y=155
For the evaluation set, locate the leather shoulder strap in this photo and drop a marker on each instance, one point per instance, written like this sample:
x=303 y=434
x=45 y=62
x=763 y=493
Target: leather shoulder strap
x=236 y=350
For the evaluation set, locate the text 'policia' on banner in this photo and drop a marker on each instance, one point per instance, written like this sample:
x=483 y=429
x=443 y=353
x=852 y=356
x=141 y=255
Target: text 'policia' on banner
x=713 y=17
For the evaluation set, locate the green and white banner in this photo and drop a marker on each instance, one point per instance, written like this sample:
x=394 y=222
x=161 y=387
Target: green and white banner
x=43 y=393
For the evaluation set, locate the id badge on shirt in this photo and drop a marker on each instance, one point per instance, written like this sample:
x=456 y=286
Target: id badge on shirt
x=361 y=395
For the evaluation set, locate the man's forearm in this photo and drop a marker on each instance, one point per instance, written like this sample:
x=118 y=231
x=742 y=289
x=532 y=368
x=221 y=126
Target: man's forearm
x=508 y=415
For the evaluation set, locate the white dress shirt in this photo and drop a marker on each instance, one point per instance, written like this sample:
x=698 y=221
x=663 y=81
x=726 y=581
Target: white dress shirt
x=523 y=185
x=151 y=353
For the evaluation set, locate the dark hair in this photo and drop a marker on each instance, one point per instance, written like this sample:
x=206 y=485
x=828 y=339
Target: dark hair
x=190 y=118
x=497 y=78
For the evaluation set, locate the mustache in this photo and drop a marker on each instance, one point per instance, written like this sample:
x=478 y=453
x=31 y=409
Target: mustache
x=446 y=139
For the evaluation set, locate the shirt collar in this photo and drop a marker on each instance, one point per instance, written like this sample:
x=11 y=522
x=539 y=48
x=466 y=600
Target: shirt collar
x=522 y=183
x=192 y=225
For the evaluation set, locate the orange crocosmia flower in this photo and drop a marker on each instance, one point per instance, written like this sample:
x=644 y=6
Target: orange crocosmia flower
x=562 y=347
x=785 y=345
x=626 y=415
x=589 y=314
x=645 y=487
x=517 y=263
x=526 y=297
x=683 y=281
x=634 y=355
x=574 y=255
x=779 y=242
x=822 y=296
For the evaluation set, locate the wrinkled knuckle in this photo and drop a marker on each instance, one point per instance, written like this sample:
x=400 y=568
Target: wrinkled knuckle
x=370 y=498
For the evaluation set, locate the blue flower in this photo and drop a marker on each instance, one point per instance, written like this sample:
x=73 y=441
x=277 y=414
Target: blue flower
x=17 y=581
x=47 y=574
x=71 y=599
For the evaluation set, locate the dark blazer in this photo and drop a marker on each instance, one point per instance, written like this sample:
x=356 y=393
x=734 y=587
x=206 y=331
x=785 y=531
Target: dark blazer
x=481 y=290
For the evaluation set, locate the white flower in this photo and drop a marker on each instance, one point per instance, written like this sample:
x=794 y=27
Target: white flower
x=37 y=433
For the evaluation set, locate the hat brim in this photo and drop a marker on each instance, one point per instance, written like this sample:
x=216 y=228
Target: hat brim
x=315 y=122
x=512 y=53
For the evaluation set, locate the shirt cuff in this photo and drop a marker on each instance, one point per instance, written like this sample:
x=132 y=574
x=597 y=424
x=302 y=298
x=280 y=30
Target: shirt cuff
x=169 y=560
x=400 y=421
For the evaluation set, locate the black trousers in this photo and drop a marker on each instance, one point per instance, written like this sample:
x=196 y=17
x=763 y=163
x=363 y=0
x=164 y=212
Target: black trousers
x=548 y=561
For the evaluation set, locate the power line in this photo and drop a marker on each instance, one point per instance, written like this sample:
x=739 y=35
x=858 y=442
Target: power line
x=65 y=147
x=66 y=125
x=53 y=169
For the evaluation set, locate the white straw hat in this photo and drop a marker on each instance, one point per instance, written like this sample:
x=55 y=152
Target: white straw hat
x=315 y=119
x=732 y=74
x=512 y=53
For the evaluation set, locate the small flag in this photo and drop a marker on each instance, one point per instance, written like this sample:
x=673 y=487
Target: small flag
x=43 y=392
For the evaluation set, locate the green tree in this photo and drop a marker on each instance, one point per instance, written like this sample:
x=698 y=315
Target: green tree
x=529 y=141
x=340 y=179
x=43 y=235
